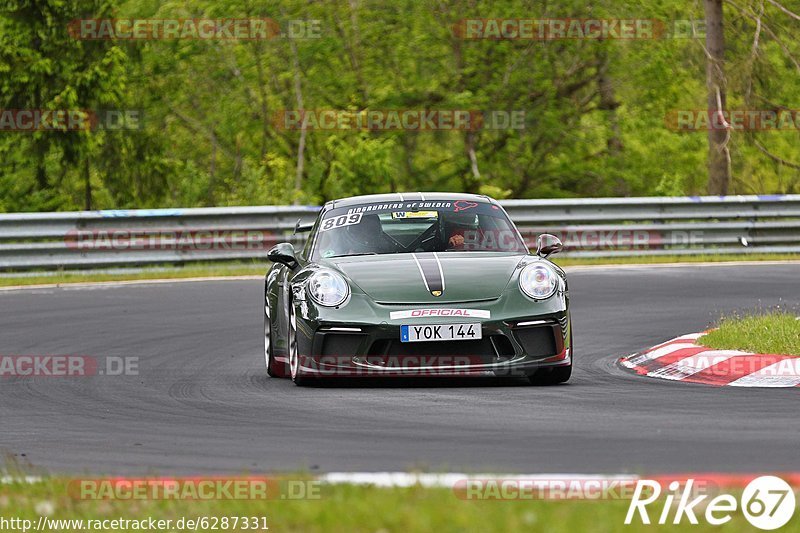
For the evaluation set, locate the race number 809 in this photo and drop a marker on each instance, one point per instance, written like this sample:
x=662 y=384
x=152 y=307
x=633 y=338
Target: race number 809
x=340 y=221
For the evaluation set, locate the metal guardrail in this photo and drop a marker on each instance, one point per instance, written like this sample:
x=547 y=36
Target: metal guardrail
x=599 y=227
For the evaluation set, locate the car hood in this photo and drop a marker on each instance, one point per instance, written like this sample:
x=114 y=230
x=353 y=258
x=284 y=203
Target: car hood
x=401 y=278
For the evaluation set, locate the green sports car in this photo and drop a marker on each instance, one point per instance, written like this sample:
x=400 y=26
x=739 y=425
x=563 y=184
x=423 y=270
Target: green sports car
x=416 y=284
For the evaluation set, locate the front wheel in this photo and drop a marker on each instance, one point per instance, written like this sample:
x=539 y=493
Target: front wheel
x=296 y=372
x=274 y=368
x=551 y=376
x=557 y=374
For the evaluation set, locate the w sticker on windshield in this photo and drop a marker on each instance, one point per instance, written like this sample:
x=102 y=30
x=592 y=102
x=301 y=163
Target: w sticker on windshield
x=340 y=221
x=415 y=214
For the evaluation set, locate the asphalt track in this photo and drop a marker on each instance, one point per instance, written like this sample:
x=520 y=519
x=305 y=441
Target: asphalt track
x=202 y=402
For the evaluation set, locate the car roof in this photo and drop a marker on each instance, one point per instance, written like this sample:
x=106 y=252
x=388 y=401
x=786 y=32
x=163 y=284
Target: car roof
x=408 y=196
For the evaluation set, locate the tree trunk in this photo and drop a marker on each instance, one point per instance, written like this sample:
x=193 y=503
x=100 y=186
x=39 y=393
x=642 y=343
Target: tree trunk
x=719 y=172
x=87 y=182
x=212 y=170
x=262 y=96
x=301 y=145
x=609 y=103
x=473 y=162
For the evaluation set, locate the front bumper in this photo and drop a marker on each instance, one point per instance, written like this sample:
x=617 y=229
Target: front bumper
x=361 y=339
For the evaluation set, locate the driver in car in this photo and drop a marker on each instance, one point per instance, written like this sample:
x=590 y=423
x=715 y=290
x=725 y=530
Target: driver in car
x=457 y=224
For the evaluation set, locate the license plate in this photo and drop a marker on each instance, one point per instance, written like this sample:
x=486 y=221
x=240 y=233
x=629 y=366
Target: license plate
x=440 y=332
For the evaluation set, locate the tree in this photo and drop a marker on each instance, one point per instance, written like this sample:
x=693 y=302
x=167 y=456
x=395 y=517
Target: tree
x=48 y=69
x=719 y=158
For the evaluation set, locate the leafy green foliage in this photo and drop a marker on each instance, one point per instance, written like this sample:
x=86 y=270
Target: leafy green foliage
x=594 y=110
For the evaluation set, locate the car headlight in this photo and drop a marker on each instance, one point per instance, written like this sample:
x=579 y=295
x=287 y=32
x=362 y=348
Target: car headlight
x=538 y=281
x=327 y=288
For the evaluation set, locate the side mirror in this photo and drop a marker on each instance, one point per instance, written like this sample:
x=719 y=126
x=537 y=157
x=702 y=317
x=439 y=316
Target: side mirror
x=547 y=245
x=283 y=253
x=302 y=228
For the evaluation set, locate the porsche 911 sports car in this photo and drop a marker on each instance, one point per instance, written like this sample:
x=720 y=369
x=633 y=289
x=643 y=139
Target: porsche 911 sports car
x=416 y=284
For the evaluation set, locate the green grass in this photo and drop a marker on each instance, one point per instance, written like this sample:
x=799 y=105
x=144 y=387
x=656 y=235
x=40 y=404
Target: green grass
x=770 y=333
x=257 y=268
x=193 y=271
x=359 y=508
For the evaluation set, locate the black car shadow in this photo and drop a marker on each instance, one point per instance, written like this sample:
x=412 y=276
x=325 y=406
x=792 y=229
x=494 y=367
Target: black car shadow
x=419 y=382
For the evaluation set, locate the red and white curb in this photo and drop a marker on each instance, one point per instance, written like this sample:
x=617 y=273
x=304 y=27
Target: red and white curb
x=456 y=480
x=682 y=359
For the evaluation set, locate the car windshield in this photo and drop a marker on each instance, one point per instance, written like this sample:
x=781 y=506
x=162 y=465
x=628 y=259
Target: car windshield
x=405 y=227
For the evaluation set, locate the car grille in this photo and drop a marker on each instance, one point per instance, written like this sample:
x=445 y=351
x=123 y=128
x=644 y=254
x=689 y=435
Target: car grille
x=339 y=344
x=537 y=341
x=484 y=351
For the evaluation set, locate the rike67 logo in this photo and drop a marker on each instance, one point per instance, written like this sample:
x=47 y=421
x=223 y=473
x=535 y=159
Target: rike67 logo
x=767 y=502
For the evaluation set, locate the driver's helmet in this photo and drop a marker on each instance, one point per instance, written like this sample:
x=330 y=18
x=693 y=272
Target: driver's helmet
x=461 y=220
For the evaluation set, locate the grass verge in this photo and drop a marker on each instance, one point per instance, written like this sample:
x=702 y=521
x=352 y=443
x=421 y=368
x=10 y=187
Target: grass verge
x=349 y=508
x=256 y=268
x=771 y=333
x=193 y=271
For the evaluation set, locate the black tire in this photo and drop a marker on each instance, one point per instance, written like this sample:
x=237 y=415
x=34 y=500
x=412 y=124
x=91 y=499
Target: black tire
x=557 y=374
x=269 y=358
x=296 y=373
x=551 y=376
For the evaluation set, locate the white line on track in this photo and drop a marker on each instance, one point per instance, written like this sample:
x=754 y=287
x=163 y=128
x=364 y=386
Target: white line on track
x=406 y=479
x=7 y=480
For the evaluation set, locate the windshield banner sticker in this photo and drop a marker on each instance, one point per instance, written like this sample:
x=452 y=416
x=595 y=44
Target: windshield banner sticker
x=400 y=206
